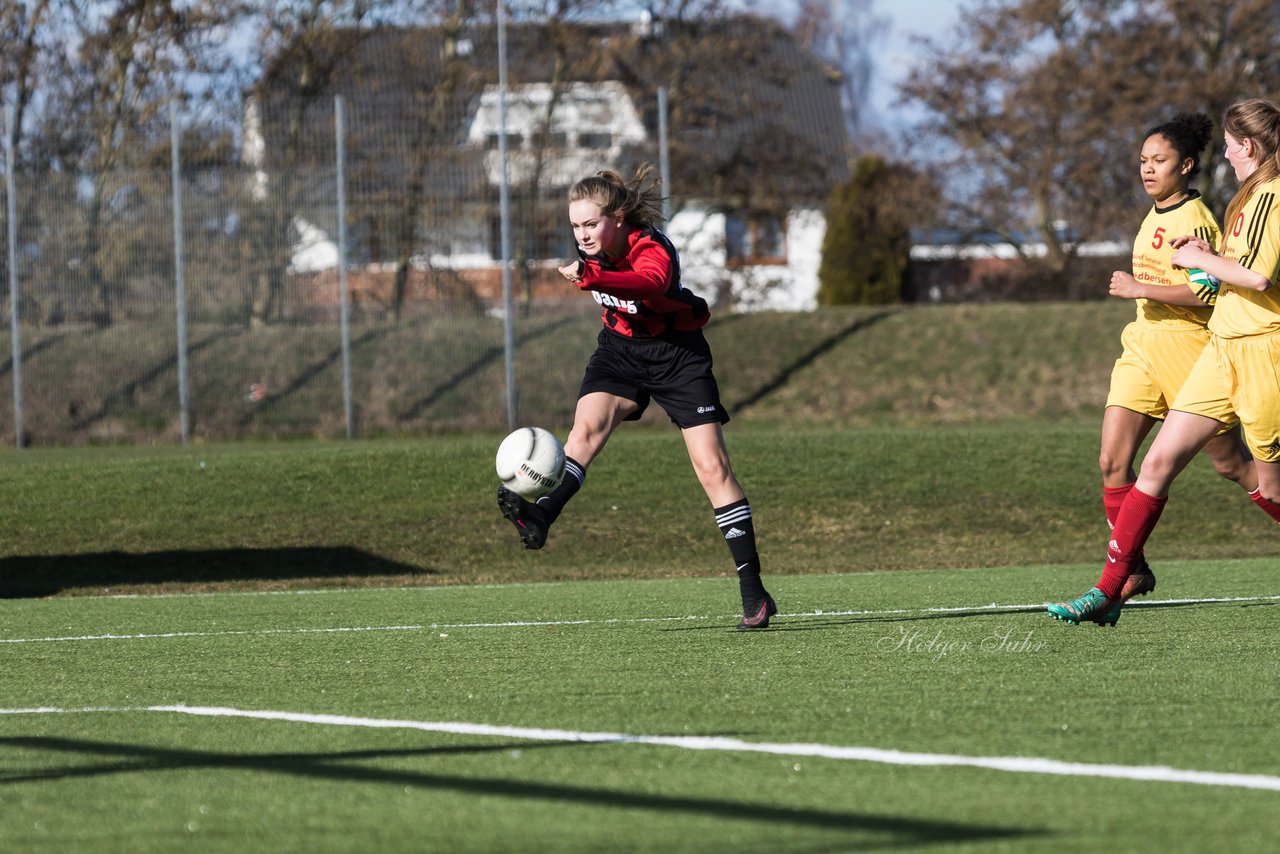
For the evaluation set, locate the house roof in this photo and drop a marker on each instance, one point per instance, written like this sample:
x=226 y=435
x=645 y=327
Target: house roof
x=755 y=119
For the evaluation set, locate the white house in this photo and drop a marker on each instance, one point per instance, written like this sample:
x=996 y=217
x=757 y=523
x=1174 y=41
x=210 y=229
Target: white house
x=750 y=169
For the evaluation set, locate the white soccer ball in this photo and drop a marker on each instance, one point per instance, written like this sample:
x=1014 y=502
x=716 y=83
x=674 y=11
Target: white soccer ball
x=530 y=462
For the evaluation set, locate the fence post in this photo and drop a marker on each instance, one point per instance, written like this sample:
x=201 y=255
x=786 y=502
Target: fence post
x=179 y=271
x=339 y=121
x=10 y=164
x=508 y=312
x=664 y=164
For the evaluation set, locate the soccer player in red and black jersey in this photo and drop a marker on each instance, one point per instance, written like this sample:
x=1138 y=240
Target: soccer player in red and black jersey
x=651 y=348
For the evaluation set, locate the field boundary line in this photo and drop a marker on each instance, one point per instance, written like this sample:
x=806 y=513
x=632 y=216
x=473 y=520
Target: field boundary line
x=604 y=621
x=1008 y=764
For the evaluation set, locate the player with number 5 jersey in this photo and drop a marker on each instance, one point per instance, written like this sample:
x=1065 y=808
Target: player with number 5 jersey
x=1237 y=375
x=1173 y=306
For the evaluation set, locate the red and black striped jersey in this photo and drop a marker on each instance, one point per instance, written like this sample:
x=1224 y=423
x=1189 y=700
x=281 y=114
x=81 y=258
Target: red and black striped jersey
x=641 y=293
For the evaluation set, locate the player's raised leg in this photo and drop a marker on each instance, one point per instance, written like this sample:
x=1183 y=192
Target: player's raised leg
x=1267 y=493
x=597 y=415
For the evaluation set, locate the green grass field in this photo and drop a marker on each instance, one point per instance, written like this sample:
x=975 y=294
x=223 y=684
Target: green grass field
x=340 y=647
x=627 y=715
x=103 y=520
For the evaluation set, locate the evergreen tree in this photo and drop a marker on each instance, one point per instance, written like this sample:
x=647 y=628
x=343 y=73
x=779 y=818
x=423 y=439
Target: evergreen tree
x=866 y=250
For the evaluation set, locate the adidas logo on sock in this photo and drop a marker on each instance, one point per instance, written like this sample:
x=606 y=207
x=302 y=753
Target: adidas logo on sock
x=734 y=533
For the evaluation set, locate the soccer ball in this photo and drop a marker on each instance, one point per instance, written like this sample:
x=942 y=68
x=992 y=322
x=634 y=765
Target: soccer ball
x=530 y=462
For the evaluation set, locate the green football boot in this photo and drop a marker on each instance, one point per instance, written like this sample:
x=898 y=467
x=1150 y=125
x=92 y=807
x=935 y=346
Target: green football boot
x=1093 y=606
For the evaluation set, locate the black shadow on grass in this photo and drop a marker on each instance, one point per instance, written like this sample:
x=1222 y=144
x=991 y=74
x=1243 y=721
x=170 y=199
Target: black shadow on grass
x=784 y=376
x=906 y=832
x=489 y=357
x=44 y=575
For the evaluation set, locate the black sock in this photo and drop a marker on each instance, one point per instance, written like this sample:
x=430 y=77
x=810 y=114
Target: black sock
x=552 y=504
x=740 y=536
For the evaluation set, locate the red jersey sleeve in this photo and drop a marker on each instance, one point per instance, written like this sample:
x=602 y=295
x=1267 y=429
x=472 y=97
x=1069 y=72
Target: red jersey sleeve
x=641 y=293
x=650 y=274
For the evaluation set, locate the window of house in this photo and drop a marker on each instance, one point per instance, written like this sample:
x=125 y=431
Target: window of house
x=758 y=238
x=595 y=139
x=493 y=141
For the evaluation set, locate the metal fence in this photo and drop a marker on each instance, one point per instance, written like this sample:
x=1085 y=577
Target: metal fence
x=342 y=282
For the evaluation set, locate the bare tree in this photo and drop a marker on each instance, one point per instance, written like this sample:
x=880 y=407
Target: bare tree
x=107 y=99
x=558 y=25
x=453 y=81
x=1216 y=51
x=844 y=33
x=1038 y=105
x=24 y=33
x=1035 y=147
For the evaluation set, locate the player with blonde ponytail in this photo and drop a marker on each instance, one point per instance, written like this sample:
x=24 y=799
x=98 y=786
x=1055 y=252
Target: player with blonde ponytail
x=1235 y=377
x=1173 y=306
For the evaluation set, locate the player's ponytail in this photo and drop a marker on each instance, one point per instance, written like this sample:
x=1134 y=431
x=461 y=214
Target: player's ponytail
x=1188 y=133
x=639 y=200
x=1257 y=120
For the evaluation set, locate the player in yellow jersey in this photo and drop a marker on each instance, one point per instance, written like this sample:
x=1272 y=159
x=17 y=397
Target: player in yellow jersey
x=1166 y=337
x=1237 y=376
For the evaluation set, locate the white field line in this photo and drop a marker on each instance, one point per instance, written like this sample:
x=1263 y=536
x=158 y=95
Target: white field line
x=339 y=591
x=520 y=624
x=1009 y=764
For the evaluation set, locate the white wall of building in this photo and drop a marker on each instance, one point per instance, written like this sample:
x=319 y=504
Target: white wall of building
x=583 y=111
x=699 y=237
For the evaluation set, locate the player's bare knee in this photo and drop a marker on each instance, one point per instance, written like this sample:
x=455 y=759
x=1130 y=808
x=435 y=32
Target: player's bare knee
x=712 y=473
x=1232 y=471
x=1160 y=467
x=1111 y=467
x=584 y=442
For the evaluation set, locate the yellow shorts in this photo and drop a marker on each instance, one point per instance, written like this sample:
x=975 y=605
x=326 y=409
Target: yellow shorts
x=1239 y=379
x=1154 y=365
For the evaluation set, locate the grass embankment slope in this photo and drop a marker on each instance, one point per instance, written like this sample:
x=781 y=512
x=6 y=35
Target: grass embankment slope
x=853 y=366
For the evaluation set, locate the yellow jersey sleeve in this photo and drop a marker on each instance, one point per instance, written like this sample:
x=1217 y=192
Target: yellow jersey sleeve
x=1253 y=240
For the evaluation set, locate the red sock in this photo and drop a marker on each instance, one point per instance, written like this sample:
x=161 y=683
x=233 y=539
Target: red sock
x=1269 y=507
x=1112 y=498
x=1134 y=523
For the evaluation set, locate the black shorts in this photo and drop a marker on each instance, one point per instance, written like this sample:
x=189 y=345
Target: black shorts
x=674 y=370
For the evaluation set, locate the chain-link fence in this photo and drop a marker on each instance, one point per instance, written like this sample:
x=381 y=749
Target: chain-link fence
x=97 y=276
x=275 y=268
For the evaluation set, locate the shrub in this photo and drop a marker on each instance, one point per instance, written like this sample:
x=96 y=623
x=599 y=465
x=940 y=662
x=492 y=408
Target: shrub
x=866 y=251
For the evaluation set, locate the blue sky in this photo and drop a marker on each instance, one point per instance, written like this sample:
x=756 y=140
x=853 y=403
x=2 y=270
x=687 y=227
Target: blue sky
x=897 y=53
x=907 y=18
